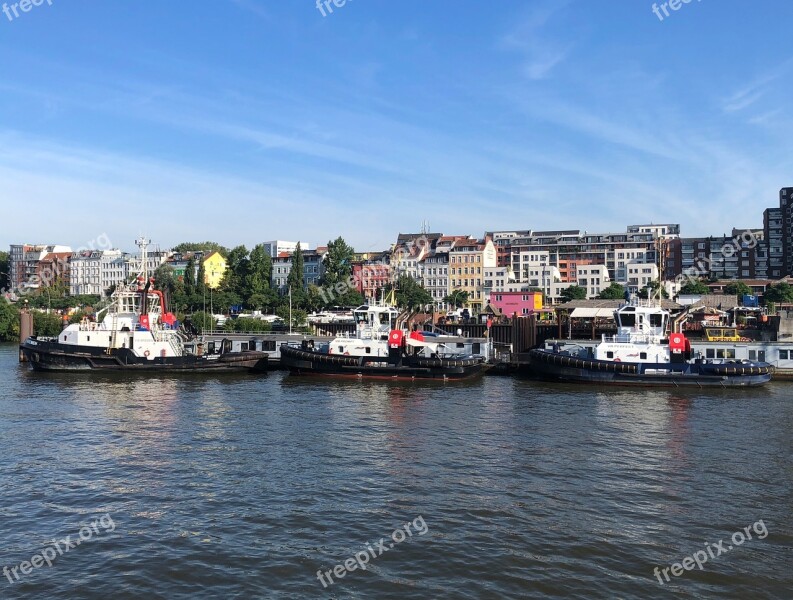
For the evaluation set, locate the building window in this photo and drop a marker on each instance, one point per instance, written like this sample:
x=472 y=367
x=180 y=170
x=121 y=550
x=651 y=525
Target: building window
x=784 y=354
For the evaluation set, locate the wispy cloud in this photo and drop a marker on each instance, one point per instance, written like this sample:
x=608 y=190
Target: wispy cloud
x=542 y=53
x=753 y=92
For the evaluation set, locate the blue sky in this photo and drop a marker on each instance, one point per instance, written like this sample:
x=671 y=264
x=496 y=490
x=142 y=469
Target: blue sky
x=247 y=120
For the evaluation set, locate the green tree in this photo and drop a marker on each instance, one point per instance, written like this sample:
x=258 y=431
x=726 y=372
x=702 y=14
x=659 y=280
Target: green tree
x=205 y=247
x=299 y=316
x=201 y=282
x=294 y=280
x=4 y=266
x=164 y=278
x=574 y=292
x=9 y=321
x=410 y=294
x=190 y=277
x=337 y=277
x=457 y=299
x=260 y=269
x=238 y=268
x=203 y=321
x=695 y=287
x=737 y=288
x=613 y=292
x=651 y=291
x=47 y=325
x=781 y=292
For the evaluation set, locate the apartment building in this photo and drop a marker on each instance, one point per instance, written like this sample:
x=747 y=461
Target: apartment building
x=371 y=272
x=277 y=247
x=313 y=268
x=594 y=279
x=32 y=266
x=467 y=263
x=94 y=272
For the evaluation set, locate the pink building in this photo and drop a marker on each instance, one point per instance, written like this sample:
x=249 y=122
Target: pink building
x=520 y=303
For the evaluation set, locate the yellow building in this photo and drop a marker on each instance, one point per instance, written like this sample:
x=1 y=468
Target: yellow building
x=214 y=268
x=467 y=260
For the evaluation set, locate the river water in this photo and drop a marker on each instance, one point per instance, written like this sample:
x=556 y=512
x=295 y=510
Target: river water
x=247 y=486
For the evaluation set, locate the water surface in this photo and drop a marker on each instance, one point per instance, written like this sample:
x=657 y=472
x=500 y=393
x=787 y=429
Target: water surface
x=246 y=486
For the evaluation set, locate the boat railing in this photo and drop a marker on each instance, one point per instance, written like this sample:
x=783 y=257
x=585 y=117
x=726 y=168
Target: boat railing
x=631 y=338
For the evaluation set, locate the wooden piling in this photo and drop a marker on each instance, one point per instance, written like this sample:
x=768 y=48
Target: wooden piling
x=25 y=329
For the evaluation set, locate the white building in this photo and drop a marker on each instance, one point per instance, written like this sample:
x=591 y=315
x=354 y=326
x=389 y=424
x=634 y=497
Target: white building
x=277 y=247
x=593 y=278
x=90 y=271
x=639 y=275
x=435 y=277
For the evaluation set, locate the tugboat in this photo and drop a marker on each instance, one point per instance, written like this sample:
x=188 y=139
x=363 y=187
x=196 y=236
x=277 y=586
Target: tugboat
x=379 y=349
x=137 y=333
x=642 y=354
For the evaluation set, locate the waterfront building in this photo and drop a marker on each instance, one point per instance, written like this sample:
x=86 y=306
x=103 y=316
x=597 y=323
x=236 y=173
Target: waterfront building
x=32 y=266
x=214 y=269
x=773 y=230
x=569 y=250
x=178 y=261
x=467 y=262
x=434 y=269
x=516 y=304
x=594 y=279
x=786 y=214
x=638 y=275
x=410 y=250
x=277 y=247
x=371 y=272
x=93 y=272
x=503 y=242
x=313 y=268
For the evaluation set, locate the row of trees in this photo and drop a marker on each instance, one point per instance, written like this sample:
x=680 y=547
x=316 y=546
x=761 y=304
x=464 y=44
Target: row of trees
x=781 y=292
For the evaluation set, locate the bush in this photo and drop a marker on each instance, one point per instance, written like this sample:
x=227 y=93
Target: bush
x=47 y=325
x=9 y=322
x=248 y=325
x=202 y=320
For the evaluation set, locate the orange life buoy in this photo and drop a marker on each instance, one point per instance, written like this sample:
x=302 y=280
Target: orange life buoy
x=146 y=354
x=617 y=360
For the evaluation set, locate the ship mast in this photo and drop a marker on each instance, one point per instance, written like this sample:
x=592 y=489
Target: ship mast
x=143 y=244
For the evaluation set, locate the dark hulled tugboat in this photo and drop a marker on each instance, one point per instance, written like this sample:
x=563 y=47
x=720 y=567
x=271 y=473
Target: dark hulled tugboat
x=643 y=354
x=379 y=349
x=134 y=333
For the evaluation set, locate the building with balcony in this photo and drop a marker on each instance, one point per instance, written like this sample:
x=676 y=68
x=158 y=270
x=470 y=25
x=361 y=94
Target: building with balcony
x=32 y=266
